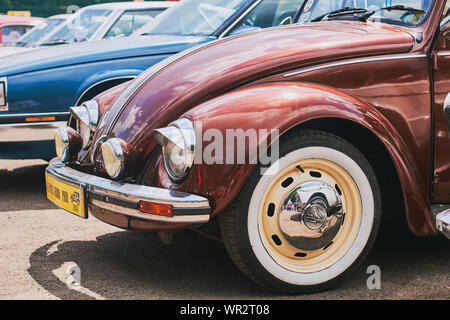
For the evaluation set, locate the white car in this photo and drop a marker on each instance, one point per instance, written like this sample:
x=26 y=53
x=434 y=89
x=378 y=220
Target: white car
x=35 y=36
x=96 y=22
x=108 y=20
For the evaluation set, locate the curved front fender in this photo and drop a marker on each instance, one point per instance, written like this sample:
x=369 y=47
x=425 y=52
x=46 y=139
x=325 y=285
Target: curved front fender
x=283 y=106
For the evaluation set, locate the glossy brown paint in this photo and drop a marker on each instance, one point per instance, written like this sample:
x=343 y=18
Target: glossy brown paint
x=181 y=86
x=266 y=106
x=107 y=98
x=391 y=98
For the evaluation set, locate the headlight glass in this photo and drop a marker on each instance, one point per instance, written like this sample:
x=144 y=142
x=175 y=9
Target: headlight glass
x=178 y=148
x=175 y=157
x=113 y=157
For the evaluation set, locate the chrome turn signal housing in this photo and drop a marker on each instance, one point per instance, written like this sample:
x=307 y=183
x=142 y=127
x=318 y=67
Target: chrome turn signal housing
x=118 y=158
x=68 y=143
x=178 y=142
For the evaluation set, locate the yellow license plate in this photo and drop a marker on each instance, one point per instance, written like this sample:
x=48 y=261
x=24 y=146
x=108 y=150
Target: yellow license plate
x=65 y=196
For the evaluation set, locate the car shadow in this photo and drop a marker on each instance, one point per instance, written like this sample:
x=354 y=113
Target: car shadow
x=136 y=265
x=23 y=188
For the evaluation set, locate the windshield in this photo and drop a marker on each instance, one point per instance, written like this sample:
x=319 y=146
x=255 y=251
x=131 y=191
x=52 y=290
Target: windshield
x=39 y=32
x=194 y=17
x=81 y=27
x=410 y=12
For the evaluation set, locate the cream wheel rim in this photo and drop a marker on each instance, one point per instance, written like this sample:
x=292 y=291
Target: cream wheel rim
x=299 y=235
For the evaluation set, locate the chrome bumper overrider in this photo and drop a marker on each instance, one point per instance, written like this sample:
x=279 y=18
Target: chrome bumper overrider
x=124 y=198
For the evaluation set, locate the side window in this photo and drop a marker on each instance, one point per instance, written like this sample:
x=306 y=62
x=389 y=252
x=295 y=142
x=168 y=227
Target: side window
x=11 y=34
x=130 y=21
x=269 y=13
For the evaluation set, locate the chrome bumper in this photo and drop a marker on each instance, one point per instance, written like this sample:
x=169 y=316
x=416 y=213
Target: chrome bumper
x=443 y=223
x=124 y=198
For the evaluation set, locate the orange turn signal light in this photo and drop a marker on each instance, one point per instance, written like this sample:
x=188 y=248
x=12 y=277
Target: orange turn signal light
x=159 y=209
x=39 y=119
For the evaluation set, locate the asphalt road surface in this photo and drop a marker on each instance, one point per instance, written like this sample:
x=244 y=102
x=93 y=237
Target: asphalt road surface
x=40 y=245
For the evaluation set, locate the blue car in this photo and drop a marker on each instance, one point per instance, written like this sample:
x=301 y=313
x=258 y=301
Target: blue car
x=38 y=87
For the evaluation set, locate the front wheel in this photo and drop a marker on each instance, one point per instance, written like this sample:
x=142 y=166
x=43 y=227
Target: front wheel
x=305 y=225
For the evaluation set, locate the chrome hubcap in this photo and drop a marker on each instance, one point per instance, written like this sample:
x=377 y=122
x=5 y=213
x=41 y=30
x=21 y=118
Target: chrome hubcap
x=311 y=216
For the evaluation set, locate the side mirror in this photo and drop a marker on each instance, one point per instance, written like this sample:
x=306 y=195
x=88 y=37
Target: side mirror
x=286 y=21
x=447 y=111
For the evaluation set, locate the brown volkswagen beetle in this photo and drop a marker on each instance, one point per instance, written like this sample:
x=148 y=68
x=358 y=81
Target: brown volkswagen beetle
x=295 y=139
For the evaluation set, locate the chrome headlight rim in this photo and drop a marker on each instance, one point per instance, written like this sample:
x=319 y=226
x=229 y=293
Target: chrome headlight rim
x=87 y=117
x=183 y=128
x=67 y=143
x=61 y=137
x=115 y=150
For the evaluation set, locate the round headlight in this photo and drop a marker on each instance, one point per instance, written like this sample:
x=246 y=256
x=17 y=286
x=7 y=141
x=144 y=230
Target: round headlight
x=67 y=143
x=113 y=157
x=61 y=141
x=178 y=148
x=175 y=157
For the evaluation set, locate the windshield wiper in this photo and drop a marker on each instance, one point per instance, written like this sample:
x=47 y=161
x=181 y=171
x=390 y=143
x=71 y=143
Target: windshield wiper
x=399 y=7
x=340 y=12
x=55 y=42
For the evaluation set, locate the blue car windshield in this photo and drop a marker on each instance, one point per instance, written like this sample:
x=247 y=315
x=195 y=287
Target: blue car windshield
x=81 y=27
x=195 y=17
x=409 y=12
x=39 y=32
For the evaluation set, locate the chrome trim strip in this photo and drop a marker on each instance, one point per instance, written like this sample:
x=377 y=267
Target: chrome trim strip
x=134 y=193
x=47 y=114
x=137 y=214
x=24 y=132
x=34 y=124
x=357 y=61
x=253 y=6
x=6 y=106
x=443 y=54
x=94 y=150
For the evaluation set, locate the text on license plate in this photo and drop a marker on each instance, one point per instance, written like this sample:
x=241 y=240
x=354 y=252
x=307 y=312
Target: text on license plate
x=66 y=196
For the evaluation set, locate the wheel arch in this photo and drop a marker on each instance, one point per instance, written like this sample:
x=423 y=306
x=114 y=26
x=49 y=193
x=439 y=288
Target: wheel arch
x=296 y=105
x=95 y=88
x=369 y=144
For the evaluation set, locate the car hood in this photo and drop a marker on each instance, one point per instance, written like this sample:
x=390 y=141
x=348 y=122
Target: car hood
x=7 y=51
x=166 y=91
x=88 y=52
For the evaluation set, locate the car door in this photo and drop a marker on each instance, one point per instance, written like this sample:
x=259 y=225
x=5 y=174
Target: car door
x=441 y=74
